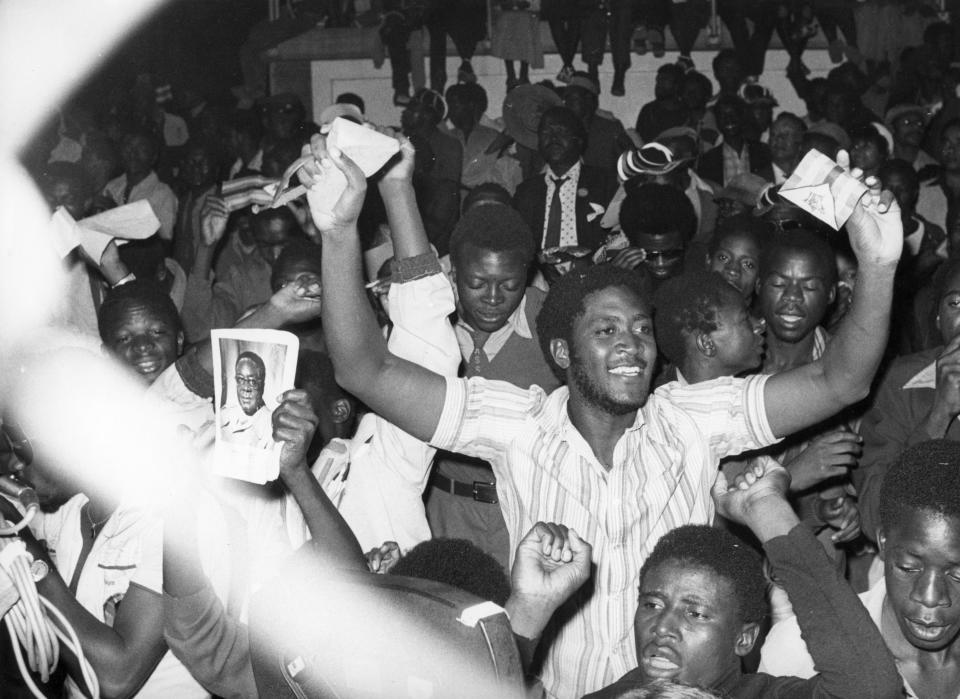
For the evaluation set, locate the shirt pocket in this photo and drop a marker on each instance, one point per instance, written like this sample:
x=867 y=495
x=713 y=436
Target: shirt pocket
x=117 y=563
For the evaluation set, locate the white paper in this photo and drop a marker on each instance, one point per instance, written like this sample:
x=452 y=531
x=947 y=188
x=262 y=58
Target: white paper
x=245 y=393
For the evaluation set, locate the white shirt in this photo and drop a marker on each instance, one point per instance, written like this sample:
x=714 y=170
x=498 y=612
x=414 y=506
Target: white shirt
x=128 y=551
x=568 y=204
x=161 y=198
x=664 y=466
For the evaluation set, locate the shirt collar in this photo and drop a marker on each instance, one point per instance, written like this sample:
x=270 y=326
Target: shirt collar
x=572 y=174
x=516 y=323
x=925 y=378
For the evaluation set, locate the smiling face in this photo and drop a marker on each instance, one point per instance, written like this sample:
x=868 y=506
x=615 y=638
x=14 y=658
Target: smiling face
x=794 y=294
x=687 y=625
x=736 y=259
x=610 y=358
x=249 y=378
x=921 y=564
x=145 y=340
x=490 y=286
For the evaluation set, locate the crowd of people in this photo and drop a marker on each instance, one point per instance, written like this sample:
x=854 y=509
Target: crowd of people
x=695 y=441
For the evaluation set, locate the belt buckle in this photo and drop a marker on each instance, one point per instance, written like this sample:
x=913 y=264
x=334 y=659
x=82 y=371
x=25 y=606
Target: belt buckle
x=485 y=492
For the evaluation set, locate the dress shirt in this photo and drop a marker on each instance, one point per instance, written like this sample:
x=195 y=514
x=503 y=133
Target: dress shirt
x=516 y=323
x=161 y=198
x=663 y=469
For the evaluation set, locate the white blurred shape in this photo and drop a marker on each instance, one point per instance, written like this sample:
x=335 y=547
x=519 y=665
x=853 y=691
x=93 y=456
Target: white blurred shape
x=47 y=47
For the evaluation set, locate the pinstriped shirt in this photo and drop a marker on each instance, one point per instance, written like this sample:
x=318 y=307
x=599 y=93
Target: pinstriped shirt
x=664 y=466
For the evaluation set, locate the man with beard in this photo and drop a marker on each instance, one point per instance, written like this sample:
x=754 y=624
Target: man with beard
x=602 y=454
x=248 y=422
x=915 y=605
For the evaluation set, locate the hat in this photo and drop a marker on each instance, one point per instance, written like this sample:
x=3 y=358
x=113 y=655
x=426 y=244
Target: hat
x=650 y=159
x=834 y=131
x=745 y=188
x=902 y=110
x=884 y=134
x=584 y=81
x=347 y=111
x=678 y=132
x=752 y=93
x=522 y=108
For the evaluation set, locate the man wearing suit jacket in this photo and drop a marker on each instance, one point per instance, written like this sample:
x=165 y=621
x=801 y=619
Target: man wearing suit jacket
x=736 y=155
x=564 y=205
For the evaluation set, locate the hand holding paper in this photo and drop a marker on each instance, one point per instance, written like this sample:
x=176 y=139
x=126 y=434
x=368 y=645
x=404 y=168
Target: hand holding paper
x=875 y=227
x=336 y=186
x=824 y=189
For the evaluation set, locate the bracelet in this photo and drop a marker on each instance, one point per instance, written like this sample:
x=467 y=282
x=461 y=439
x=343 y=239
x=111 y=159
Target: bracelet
x=126 y=280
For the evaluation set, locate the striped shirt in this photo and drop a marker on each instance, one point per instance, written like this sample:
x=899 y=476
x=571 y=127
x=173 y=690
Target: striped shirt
x=664 y=466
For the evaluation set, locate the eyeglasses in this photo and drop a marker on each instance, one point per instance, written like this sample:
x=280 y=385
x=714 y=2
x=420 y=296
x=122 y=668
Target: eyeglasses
x=248 y=381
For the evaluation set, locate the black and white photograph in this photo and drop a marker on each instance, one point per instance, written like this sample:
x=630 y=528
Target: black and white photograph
x=251 y=369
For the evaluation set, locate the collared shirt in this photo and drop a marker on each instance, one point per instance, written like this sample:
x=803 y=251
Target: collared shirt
x=161 y=198
x=663 y=469
x=735 y=163
x=516 y=323
x=568 y=204
x=784 y=652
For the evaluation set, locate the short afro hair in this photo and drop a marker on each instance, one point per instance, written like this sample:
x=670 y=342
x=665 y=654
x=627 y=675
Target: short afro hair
x=298 y=252
x=565 y=303
x=657 y=209
x=745 y=225
x=805 y=242
x=140 y=292
x=717 y=550
x=495 y=227
x=486 y=193
x=925 y=478
x=459 y=563
x=687 y=304
x=899 y=166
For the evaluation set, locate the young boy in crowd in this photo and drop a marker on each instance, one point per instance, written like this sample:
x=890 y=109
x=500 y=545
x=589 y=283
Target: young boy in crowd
x=702 y=600
x=915 y=605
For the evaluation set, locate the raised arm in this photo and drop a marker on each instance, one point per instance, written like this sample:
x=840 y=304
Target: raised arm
x=400 y=201
x=847 y=648
x=403 y=393
x=806 y=395
x=294 y=423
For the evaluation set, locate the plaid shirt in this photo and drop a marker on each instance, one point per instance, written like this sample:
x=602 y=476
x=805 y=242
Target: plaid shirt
x=664 y=467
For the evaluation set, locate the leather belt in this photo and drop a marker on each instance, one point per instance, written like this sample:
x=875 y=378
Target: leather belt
x=477 y=490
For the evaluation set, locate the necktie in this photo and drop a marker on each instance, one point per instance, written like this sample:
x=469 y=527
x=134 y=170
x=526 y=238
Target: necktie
x=554 y=215
x=478 y=358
